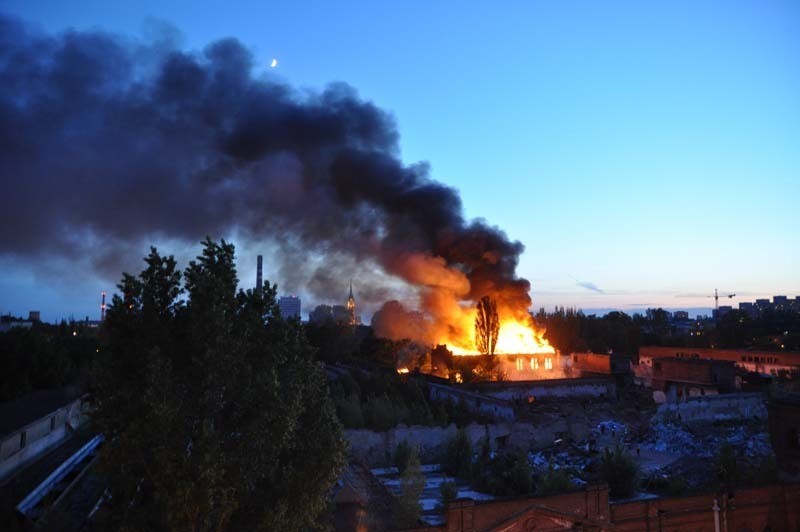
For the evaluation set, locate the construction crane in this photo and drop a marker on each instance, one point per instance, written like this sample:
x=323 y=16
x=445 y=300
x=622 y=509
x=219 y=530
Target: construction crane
x=716 y=298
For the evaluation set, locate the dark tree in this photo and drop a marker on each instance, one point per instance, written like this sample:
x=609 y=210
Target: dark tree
x=620 y=471
x=457 y=460
x=487 y=326
x=215 y=412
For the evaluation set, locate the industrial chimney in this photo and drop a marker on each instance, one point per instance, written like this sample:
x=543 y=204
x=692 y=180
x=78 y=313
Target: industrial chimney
x=258 y=274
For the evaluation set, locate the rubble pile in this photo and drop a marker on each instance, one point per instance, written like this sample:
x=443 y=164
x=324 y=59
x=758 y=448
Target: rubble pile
x=704 y=441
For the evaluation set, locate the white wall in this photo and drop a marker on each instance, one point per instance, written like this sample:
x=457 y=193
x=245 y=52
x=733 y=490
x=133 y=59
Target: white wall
x=39 y=437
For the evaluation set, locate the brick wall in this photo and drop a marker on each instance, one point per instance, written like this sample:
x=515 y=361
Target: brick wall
x=591 y=363
x=767 y=508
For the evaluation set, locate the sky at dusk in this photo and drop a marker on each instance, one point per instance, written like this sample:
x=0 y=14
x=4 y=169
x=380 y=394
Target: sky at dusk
x=645 y=153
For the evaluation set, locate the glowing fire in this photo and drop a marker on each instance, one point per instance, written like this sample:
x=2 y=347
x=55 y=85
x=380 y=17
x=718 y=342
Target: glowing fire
x=514 y=338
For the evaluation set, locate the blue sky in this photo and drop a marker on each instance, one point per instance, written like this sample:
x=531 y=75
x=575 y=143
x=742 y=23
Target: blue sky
x=648 y=149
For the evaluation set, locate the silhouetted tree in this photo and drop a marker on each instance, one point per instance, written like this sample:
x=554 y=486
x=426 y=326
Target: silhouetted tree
x=487 y=326
x=620 y=471
x=457 y=460
x=726 y=465
x=448 y=491
x=412 y=483
x=216 y=414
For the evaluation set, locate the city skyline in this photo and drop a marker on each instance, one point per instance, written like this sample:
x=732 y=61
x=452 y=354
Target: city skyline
x=630 y=187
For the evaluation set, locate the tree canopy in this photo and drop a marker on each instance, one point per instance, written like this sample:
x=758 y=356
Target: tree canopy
x=215 y=412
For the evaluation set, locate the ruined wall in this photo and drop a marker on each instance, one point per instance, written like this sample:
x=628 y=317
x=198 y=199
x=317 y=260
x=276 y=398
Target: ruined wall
x=376 y=448
x=714 y=408
x=559 y=388
x=591 y=362
x=486 y=404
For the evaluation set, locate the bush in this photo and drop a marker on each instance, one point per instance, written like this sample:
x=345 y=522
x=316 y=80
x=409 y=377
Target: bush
x=449 y=491
x=620 y=471
x=349 y=412
x=553 y=481
x=379 y=414
x=457 y=460
x=402 y=455
x=504 y=475
x=412 y=482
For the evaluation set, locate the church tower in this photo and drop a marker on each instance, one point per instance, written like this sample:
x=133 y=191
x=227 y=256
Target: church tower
x=351 y=306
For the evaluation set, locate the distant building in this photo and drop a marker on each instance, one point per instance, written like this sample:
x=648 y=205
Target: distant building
x=351 y=307
x=764 y=362
x=722 y=311
x=289 y=306
x=9 y=322
x=681 y=378
x=780 y=303
x=341 y=314
x=321 y=314
x=680 y=315
x=763 y=304
x=749 y=309
x=594 y=364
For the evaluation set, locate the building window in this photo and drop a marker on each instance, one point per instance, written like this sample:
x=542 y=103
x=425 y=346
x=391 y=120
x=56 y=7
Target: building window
x=23 y=436
x=548 y=363
x=52 y=423
x=534 y=363
x=519 y=364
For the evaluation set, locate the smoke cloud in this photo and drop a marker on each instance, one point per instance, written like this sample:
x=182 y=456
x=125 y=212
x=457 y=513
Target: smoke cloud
x=106 y=143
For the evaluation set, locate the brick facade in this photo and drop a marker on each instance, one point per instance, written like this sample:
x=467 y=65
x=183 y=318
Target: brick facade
x=756 y=509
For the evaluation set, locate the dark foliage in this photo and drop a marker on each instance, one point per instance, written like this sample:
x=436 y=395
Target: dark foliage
x=379 y=399
x=215 y=412
x=620 y=471
x=402 y=455
x=553 y=481
x=457 y=459
x=504 y=475
x=45 y=357
x=448 y=491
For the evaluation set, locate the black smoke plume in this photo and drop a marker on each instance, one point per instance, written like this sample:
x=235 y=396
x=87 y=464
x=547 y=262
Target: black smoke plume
x=107 y=143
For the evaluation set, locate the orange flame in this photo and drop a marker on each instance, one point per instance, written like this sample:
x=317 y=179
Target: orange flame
x=515 y=338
